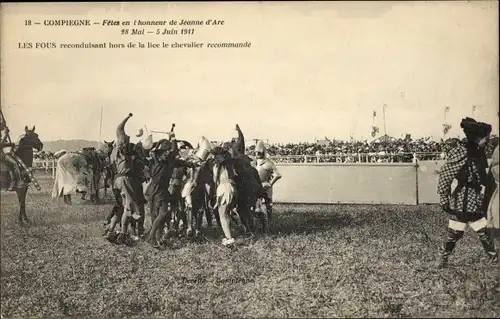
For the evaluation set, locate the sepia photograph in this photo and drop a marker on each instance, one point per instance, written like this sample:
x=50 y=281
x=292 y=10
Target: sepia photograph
x=249 y=159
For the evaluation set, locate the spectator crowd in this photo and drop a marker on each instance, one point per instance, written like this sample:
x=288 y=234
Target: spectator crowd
x=386 y=150
x=337 y=151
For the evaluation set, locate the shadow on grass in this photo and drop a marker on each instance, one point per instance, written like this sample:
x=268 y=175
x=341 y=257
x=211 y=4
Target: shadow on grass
x=373 y=219
x=310 y=222
x=376 y=221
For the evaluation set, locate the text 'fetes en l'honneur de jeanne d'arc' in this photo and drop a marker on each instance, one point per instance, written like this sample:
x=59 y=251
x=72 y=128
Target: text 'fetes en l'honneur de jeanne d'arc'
x=136 y=28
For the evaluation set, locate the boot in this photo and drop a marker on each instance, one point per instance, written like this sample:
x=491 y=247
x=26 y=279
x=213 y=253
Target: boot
x=13 y=181
x=488 y=245
x=453 y=236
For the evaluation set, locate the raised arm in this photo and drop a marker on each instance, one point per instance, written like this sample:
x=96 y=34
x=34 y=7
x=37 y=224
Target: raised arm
x=239 y=145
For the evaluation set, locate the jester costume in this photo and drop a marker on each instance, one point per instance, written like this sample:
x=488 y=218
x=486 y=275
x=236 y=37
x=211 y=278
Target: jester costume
x=466 y=165
x=124 y=185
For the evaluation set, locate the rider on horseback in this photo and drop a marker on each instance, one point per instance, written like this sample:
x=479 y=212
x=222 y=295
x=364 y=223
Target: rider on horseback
x=7 y=156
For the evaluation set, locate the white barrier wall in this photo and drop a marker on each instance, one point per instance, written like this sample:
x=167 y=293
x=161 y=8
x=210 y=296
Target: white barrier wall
x=360 y=183
x=428 y=174
x=354 y=183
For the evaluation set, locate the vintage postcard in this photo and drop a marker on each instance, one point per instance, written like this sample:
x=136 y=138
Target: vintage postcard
x=249 y=159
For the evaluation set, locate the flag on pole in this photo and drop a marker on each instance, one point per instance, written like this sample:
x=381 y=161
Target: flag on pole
x=473 y=108
x=374 y=114
x=447 y=109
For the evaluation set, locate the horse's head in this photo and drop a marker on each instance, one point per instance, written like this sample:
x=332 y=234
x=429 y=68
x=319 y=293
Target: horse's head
x=31 y=139
x=108 y=147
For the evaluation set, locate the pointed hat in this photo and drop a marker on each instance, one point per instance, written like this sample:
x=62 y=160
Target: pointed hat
x=147 y=143
x=260 y=147
x=203 y=149
x=121 y=137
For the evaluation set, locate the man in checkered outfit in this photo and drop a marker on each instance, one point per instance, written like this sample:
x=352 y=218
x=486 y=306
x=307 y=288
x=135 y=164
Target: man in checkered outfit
x=461 y=189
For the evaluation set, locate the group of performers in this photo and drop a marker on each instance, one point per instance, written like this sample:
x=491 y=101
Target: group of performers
x=169 y=177
x=466 y=192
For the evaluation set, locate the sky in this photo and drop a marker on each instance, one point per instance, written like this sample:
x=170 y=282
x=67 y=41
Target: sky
x=313 y=70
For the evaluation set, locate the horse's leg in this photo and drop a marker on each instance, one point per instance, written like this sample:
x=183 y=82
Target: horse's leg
x=92 y=191
x=140 y=222
x=208 y=204
x=21 y=196
x=133 y=227
x=244 y=214
x=261 y=212
x=176 y=215
x=208 y=212
x=197 y=209
x=217 y=219
x=97 y=199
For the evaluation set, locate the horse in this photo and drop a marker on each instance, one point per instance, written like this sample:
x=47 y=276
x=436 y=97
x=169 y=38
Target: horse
x=198 y=194
x=236 y=189
x=108 y=169
x=250 y=193
x=24 y=151
x=72 y=175
x=81 y=172
x=96 y=164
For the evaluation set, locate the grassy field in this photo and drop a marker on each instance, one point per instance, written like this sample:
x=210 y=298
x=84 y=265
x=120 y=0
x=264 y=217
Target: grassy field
x=319 y=261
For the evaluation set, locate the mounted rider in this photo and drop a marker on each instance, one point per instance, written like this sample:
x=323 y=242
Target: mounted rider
x=268 y=173
x=7 y=155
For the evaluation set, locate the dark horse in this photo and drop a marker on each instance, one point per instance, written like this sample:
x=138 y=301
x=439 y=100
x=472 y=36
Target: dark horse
x=198 y=193
x=99 y=165
x=24 y=151
x=108 y=170
x=247 y=185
